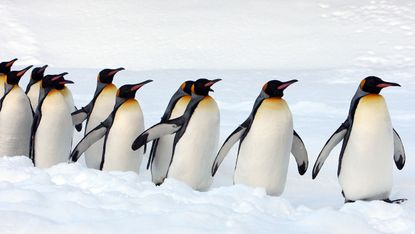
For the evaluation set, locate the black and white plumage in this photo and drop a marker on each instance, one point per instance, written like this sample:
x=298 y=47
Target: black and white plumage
x=266 y=139
x=369 y=145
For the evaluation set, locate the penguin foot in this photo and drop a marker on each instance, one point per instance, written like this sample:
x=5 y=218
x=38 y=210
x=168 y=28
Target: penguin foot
x=396 y=201
x=348 y=201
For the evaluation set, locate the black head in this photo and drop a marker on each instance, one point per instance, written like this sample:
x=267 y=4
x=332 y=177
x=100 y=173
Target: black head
x=55 y=81
x=202 y=86
x=275 y=88
x=107 y=75
x=374 y=85
x=5 y=67
x=187 y=87
x=14 y=77
x=128 y=91
x=38 y=73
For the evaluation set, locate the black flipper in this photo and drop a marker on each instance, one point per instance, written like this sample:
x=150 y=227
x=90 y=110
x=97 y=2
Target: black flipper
x=335 y=139
x=399 y=152
x=157 y=131
x=89 y=139
x=300 y=153
x=227 y=145
x=78 y=127
x=82 y=114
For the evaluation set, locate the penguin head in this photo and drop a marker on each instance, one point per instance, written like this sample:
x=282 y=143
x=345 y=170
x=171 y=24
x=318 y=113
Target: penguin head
x=14 y=77
x=275 y=88
x=128 y=91
x=55 y=81
x=38 y=73
x=107 y=75
x=186 y=87
x=203 y=86
x=5 y=67
x=374 y=85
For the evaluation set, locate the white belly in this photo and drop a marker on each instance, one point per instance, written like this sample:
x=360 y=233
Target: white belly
x=54 y=134
x=164 y=151
x=366 y=168
x=128 y=124
x=33 y=95
x=195 y=152
x=264 y=154
x=15 y=124
x=102 y=108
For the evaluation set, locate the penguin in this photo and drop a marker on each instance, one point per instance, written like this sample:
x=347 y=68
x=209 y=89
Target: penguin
x=15 y=117
x=118 y=131
x=97 y=111
x=266 y=139
x=67 y=94
x=5 y=68
x=196 y=137
x=52 y=130
x=161 y=149
x=33 y=88
x=369 y=142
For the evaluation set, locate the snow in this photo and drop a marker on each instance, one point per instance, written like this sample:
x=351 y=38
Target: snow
x=329 y=46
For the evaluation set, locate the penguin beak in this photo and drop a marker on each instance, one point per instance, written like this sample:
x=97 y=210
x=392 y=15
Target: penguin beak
x=286 y=84
x=42 y=69
x=10 y=63
x=63 y=74
x=22 y=72
x=66 y=82
x=212 y=82
x=387 y=84
x=114 y=71
x=139 y=85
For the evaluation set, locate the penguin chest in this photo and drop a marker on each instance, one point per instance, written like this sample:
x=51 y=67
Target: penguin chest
x=2 y=80
x=264 y=153
x=54 y=134
x=33 y=95
x=103 y=106
x=15 y=124
x=67 y=94
x=164 y=149
x=194 y=152
x=127 y=125
x=366 y=166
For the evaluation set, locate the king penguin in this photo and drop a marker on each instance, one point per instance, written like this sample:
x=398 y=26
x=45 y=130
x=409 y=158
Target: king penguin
x=15 y=117
x=161 y=149
x=118 y=131
x=52 y=125
x=266 y=139
x=33 y=88
x=97 y=111
x=369 y=143
x=196 y=137
x=5 y=68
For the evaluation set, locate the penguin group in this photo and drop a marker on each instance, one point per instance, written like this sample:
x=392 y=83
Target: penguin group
x=40 y=121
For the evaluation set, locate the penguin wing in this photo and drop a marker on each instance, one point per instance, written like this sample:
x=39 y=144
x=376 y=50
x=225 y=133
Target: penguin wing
x=81 y=115
x=227 y=145
x=78 y=127
x=157 y=131
x=35 y=124
x=93 y=136
x=300 y=153
x=328 y=147
x=399 y=154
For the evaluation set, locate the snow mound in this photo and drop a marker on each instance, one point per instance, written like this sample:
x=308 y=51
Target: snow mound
x=69 y=198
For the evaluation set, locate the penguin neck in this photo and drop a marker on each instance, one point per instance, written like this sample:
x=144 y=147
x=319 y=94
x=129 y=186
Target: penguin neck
x=172 y=103
x=119 y=101
x=355 y=100
x=100 y=87
x=31 y=83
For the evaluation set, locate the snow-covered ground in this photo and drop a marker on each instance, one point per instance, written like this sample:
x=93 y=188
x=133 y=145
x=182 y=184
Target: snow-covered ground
x=329 y=46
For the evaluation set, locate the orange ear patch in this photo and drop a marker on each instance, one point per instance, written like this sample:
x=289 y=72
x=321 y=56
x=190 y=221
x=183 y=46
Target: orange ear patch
x=193 y=88
x=265 y=86
x=362 y=83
